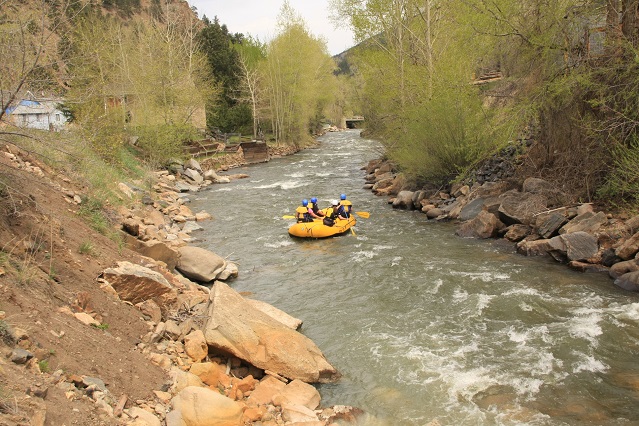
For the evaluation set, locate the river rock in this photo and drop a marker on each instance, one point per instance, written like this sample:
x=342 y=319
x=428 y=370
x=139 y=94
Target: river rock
x=404 y=200
x=517 y=232
x=158 y=250
x=211 y=373
x=297 y=414
x=205 y=407
x=235 y=327
x=230 y=271
x=194 y=175
x=135 y=283
x=548 y=225
x=588 y=222
x=434 y=213
x=621 y=268
x=629 y=281
x=632 y=224
x=629 y=248
x=300 y=393
x=199 y=264
x=484 y=225
x=193 y=164
x=521 y=207
x=472 y=209
x=579 y=245
x=418 y=196
x=142 y=417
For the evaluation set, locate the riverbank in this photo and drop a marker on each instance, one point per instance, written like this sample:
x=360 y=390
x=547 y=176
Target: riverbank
x=533 y=215
x=99 y=333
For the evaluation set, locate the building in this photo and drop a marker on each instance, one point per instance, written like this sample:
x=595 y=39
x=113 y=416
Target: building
x=37 y=114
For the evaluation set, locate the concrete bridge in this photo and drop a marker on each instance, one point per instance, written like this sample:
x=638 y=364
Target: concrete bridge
x=354 y=122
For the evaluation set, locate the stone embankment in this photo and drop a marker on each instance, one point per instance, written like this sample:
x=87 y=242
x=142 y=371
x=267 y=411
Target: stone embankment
x=539 y=219
x=232 y=360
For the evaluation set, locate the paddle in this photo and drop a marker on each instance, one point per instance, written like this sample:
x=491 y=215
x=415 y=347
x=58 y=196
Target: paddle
x=365 y=215
x=287 y=216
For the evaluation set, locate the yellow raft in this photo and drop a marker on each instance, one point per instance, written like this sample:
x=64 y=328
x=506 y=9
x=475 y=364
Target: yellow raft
x=317 y=229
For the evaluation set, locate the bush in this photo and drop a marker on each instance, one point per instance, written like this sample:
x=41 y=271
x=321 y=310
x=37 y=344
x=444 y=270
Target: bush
x=161 y=143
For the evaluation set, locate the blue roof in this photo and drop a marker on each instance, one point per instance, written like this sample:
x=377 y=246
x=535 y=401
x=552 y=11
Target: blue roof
x=26 y=102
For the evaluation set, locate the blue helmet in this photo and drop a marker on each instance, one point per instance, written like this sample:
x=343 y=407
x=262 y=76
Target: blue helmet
x=314 y=200
x=305 y=202
x=342 y=197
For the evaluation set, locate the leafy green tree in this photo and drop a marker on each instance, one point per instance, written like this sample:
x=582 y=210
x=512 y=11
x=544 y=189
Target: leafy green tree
x=226 y=113
x=298 y=78
x=251 y=53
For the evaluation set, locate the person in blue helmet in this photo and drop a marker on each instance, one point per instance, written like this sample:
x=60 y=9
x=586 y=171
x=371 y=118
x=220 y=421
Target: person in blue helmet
x=302 y=212
x=316 y=212
x=348 y=206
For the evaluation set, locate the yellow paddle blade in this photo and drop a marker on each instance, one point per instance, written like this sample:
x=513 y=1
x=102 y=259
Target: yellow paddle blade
x=287 y=216
x=365 y=215
x=352 y=231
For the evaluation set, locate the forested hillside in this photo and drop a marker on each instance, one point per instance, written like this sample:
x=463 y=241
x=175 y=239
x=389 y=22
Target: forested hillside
x=447 y=84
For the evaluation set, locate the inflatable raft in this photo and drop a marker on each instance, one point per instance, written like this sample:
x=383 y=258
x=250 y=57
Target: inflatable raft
x=317 y=229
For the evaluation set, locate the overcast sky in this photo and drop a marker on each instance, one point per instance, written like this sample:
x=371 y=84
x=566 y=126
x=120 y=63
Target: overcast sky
x=258 y=18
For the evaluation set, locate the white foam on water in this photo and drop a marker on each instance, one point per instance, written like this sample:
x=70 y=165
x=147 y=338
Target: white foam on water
x=486 y=277
x=526 y=386
x=361 y=256
x=283 y=185
x=627 y=312
x=279 y=244
x=435 y=289
x=525 y=307
x=585 y=324
x=223 y=189
x=589 y=363
x=521 y=292
x=396 y=261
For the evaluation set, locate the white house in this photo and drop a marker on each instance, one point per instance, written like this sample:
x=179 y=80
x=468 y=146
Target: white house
x=38 y=114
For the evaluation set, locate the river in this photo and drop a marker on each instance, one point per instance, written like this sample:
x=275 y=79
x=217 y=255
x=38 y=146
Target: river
x=422 y=324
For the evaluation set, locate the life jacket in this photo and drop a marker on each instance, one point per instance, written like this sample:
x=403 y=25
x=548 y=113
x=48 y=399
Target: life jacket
x=301 y=214
x=347 y=205
x=315 y=208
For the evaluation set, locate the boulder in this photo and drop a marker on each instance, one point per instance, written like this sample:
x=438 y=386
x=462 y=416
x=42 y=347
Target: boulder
x=517 y=232
x=142 y=417
x=628 y=281
x=297 y=414
x=587 y=222
x=150 y=309
x=300 y=393
x=135 y=283
x=157 y=250
x=195 y=346
x=539 y=247
x=210 y=373
x=404 y=200
x=235 y=327
x=434 y=213
x=184 y=379
x=205 y=407
x=484 y=225
x=418 y=196
x=632 y=224
x=472 y=209
x=199 y=264
x=580 y=245
x=193 y=164
x=265 y=391
x=552 y=194
x=230 y=271
x=548 y=225
x=276 y=314
x=629 y=248
x=194 y=175
x=621 y=268
x=521 y=207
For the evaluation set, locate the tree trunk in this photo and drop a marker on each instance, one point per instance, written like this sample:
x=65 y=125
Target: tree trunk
x=630 y=21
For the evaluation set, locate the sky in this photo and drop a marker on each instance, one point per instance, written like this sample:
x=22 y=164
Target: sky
x=258 y=18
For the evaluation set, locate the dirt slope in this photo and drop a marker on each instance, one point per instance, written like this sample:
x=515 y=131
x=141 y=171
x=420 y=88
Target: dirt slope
x=44 y=279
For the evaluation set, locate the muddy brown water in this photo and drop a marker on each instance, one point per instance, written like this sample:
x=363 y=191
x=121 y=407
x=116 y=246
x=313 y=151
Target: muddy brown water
x=424 y=325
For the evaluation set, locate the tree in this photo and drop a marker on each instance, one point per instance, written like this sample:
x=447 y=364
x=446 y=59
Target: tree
x=226 y=114
x=251 y=53
x=298 y=78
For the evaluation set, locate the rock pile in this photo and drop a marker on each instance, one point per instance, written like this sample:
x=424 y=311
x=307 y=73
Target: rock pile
x=537 y=217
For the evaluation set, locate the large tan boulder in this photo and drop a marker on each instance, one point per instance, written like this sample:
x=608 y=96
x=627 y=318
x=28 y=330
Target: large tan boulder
x=210 y=373
x=205 y=407
x=300 y=393
x=265 y=391
x=276 y=314
x=236 y=327
x=135 y=283
x=200 y=264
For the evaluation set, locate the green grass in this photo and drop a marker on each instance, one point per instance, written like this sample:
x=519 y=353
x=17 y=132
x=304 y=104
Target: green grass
x=44 y=366
x=86 y=248
x=104 y=326
x=6 y=335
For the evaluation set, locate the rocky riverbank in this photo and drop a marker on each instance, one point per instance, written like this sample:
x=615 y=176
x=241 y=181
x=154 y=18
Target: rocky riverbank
x=536 y=217
x=197 y=352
